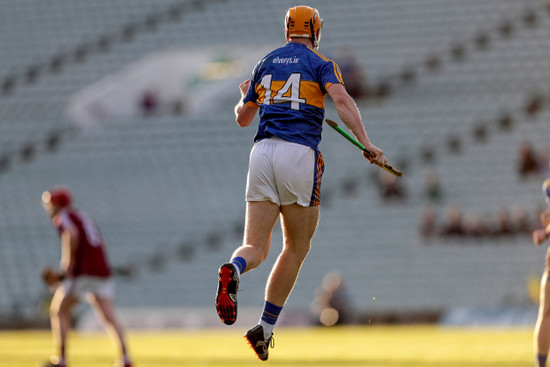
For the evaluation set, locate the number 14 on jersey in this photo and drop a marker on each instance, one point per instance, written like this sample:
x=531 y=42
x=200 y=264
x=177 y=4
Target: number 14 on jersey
x=283 y=91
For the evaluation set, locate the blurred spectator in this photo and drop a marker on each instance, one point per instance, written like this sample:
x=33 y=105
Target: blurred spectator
x=528 y=160
x=177 y=107
x=454 y=143
x=453 y=222
x=507 y=223
x=521 y=220
x=474 y=226
x=332 y=304
x=428 y=222
x=544 y=166
x=352 y=73
x=432 y=187
x=503 y=226
x=390 y=186
x=149 y=102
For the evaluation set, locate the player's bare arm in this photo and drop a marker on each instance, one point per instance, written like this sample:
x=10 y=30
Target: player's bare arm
x=545 y=218
x=542 y=234
x=69 y=243
x=350 y=115
x=244 y=114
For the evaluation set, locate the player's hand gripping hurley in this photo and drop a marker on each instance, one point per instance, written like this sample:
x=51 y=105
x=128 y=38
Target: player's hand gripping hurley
x=354 y=141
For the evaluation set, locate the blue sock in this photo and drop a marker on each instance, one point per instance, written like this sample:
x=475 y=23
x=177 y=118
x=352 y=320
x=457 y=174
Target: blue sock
x=541 y=360
x=240 y=263
x=269 y=318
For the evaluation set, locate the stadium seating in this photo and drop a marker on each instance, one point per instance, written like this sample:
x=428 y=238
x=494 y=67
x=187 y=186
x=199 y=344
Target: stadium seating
x=167 y=191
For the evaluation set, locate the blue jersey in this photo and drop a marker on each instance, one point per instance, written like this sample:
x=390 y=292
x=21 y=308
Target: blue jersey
x=289 y=85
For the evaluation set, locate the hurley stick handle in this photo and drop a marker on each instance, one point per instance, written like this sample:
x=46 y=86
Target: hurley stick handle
x=354 y=141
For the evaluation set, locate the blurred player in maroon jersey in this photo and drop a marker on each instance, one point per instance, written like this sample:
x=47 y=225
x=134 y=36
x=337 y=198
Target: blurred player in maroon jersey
x=542 y=328
x=84 y=271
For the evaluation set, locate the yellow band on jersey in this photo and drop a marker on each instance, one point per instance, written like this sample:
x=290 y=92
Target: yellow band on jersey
x=310 y=91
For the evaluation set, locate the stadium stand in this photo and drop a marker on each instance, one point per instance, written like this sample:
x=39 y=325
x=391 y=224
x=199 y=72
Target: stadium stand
x=167 y=190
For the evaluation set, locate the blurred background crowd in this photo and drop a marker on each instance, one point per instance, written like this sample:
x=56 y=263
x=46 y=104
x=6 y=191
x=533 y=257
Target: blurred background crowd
x=129 y=102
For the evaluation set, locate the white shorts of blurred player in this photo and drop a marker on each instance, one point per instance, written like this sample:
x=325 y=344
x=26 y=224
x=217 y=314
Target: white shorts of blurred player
x=85 y=286
x=284 y=173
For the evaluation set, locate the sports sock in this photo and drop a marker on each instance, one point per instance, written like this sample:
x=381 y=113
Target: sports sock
x=240 y=264
x=61 y=357
x=269 y=318
x=124 y=354
x=541 y=360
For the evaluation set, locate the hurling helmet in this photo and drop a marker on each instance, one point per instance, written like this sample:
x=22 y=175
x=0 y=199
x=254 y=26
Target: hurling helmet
x=60 y=196
x=303 y=22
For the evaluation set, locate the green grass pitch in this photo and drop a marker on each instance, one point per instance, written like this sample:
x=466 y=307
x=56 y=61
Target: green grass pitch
x=374 y=346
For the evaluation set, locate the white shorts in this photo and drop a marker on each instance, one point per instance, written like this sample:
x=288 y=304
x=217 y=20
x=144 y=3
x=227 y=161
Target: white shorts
x=284 y=173
x=82 y=286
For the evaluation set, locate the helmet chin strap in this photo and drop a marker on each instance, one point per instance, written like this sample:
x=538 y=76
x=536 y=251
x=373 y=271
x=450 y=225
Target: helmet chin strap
x=313 y=39
x=315 y=42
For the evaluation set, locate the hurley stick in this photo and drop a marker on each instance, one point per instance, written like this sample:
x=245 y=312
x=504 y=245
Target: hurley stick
x=354 y=141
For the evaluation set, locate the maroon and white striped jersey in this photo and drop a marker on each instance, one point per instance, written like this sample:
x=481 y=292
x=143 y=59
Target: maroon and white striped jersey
x=90 y=256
